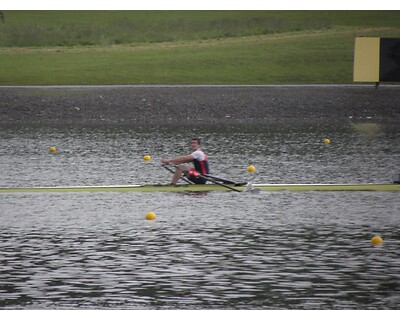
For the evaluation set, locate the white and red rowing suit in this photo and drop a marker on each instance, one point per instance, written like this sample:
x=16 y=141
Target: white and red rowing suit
x=201 y=166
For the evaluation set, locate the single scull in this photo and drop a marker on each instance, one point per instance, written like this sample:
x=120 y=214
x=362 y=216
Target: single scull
x=208 y=187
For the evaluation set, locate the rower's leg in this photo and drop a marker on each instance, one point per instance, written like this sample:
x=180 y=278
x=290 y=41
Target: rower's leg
x=178 y=173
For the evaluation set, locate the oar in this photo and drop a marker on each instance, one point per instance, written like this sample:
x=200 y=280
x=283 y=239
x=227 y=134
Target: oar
x=181 y=177
x=223 y=180
x=211 y=180
x=249 y=184
x=219 y=183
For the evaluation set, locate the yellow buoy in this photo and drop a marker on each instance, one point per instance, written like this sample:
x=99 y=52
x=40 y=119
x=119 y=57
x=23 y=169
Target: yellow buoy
x=376 y=241
x=53 y=149
x=327 y=141
x=150 y=216
x=146 y=158
x=251 y=168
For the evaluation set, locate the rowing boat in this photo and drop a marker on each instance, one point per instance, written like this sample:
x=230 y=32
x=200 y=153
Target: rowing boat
x=208 y=187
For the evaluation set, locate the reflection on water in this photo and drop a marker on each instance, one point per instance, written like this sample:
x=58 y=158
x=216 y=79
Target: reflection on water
x=217 y=250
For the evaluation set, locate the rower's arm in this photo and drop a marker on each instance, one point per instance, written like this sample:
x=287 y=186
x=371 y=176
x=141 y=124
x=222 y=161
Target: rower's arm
x=178 y=160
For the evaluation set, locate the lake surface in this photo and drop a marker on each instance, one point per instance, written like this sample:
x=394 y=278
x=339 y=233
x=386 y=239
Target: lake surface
x=216 y=250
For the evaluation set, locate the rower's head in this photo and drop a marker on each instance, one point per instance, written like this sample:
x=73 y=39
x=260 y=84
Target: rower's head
x=195 y=143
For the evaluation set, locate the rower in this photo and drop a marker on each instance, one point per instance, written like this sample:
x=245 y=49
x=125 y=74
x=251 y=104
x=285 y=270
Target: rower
x=199 y=160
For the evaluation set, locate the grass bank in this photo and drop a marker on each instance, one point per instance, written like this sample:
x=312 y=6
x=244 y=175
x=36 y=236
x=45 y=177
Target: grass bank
x=188 y=47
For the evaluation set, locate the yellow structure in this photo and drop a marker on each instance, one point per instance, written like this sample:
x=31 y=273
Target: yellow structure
x=366 y=59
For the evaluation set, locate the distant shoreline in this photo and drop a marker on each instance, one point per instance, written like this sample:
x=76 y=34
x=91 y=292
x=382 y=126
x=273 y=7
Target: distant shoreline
x=198 y=104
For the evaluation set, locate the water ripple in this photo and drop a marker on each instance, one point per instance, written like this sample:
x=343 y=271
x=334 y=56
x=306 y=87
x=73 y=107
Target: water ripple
x=273 y=250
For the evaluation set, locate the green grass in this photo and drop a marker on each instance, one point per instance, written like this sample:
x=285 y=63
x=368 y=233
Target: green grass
x=71 y=28
x=185 y=47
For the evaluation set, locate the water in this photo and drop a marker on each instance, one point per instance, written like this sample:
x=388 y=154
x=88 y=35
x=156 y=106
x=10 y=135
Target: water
x=216 y=250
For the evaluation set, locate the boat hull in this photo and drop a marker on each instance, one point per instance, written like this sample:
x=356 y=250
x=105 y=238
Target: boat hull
x=208 y=187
